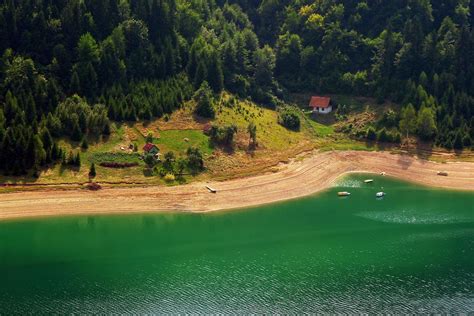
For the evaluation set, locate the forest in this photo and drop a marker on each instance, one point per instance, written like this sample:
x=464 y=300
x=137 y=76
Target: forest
x=68 y=68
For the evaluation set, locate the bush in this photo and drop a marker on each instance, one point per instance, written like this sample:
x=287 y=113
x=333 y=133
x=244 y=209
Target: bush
x=92 y=172
x=382 y=136
x=397 y=137
x=223 y=135
x=467 y=141
x=195 y=161
x=169 y=177
x=289 y=119
x=150 y=160
x=390 y=119
x=84 y=143
x=149 y=138
x=371 y=134
x=118 y=165
x=168 y=162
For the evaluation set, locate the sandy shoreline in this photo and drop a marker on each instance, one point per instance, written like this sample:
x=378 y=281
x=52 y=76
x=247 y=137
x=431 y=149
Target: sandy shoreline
x=297 y=179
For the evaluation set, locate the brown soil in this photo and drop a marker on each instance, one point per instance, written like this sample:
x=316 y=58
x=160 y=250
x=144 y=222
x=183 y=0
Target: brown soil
x=297 y=178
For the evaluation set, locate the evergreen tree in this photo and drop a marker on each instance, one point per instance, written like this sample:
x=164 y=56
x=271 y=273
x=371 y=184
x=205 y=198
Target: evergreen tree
x=75 y=85
x=92 y=171
x=252 y=130
x=215 y=76
x=204 y=101
x=84 y=143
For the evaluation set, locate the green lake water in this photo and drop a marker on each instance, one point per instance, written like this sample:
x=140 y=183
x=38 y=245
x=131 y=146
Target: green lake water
x=412 y=251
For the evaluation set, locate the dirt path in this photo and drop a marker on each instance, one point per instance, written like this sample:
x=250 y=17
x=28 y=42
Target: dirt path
x=297 y=179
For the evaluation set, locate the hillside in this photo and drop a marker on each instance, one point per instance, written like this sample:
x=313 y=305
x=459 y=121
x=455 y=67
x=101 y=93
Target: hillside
x=83 y=83
x=176 y=134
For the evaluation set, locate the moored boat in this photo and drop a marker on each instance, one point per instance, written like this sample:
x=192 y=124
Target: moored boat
x=343 y=193
x=380 y=194
x=212 y=190
x=369 y=181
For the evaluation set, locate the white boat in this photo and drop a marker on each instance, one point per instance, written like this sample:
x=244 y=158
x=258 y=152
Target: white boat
x=380 y=194
x=343 y=193
x=369 y=181
x=212 y=190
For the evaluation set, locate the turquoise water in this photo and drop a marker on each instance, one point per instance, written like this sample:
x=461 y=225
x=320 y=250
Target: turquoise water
x=412 y=251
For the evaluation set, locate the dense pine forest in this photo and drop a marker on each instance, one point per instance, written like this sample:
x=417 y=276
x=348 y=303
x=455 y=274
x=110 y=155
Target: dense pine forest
x=68 y=68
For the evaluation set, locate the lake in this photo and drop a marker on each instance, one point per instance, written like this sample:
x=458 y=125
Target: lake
x=412 y=251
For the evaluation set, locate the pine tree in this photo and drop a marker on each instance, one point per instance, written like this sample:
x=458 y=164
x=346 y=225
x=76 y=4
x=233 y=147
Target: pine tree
x=76 y=133
x=106 y=130
x=84 y=143
x=75 y=86
x=77 y=160
x=92 y=172
x=201 y=74
x=215 y=76
x=204 y=100
x=71 y=159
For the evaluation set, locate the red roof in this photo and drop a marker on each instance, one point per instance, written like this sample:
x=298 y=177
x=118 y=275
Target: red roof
x=148 y=147
x=320 y=102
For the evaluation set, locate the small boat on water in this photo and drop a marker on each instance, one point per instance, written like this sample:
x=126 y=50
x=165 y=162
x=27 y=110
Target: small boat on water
x=343 y=193
x=383 y=173
x=369 y=180
x=380 y=194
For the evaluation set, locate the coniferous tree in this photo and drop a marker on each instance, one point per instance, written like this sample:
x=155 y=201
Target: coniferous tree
x=92 y=171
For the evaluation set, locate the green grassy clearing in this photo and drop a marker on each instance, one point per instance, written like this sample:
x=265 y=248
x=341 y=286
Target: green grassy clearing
x=174 y=140
x=270 y=134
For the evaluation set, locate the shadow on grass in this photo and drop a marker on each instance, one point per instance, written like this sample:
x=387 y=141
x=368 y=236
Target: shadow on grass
x=323 y=119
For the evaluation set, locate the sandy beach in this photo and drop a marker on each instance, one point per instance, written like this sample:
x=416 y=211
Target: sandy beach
x=300 y=177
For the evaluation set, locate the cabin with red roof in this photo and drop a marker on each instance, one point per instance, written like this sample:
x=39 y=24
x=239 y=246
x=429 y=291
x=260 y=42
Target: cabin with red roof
x=320 y=105
x=150 y=148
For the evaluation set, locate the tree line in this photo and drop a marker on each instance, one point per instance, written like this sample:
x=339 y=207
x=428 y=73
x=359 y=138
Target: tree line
x=68 y=68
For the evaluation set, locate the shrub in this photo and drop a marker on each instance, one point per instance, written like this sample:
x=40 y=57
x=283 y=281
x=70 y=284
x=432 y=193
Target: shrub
x=195 y=161
x=371 y=134
x=382 y=136
x=149 y=138
x=223 y=135
x=390 y=118
x=289 y=119
x=397 y=137
x=169 y=177
x=84 y=143
x=150 y=160
x=118 y=165
x=168 y=162
x=92 y=172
